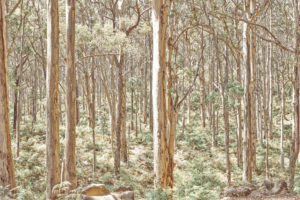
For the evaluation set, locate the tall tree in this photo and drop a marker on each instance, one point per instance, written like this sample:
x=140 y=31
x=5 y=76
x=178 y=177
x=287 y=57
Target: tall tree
x=70 y=140
x=159 y=21
x=7 y=176
x=249 y=96
x=296 y=122
x=52 y=135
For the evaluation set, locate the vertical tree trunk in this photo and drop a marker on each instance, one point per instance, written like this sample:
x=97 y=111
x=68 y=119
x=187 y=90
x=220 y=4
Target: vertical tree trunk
x=77 y=103
x=239 y=114
x=146 y=90
x=52 y=136
x=121 y=115
x=159 y=20
x=296 y=122
x=202 y=80
x=19 y=111
x=226 y=116
x=93 y=114
x=150 y=83
x=71 y=91
x=113 y=111
x=7 y=176
x=212 y=115
x=34 y=92
x=249 y=151
x=282 y=124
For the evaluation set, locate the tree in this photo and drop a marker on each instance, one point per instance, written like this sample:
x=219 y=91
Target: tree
x=7 y=176
x=52 y=135
x=70 y=140
x=159 y=21
x=296 y=117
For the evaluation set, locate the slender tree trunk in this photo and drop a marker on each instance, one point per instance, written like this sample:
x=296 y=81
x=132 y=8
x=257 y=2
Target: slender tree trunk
x=121 y=115
x=202 y=80
x=146 y=91
x=52 y=136
x=19 y=111
x=150 y=83
x=226 y=117
x=239 y=119
x=282 y=124
x=249 y=151
x=7 y=175
x=159 y=20
x=296 y=122
x=71 y=89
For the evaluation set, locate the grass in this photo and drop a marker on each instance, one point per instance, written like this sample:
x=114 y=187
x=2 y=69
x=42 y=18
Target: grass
x=200 y=171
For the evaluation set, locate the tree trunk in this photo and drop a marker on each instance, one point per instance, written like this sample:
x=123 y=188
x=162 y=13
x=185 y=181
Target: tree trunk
x=249 y=151
x=19 y=111
x=282 y=124
x=159 y=20
x=202 y=80
x=7 y=176
x=71 y=116
x=121 y=116
x=294 y=149
x=52 y=136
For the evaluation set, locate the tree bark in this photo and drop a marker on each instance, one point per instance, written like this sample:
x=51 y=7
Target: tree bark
x=71 y=89
x=7 y=175
x=52 y=135
x=294 y=149
x=159 y=20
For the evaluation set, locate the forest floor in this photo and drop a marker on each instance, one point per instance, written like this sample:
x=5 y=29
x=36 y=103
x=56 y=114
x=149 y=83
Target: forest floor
x=277 y=197
x=199 y=171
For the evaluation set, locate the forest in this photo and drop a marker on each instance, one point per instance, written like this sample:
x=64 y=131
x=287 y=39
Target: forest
x=149 y=99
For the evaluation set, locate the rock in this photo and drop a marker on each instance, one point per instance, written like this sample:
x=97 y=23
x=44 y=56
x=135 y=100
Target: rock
x=239 y=191
x=280 y=187
x=95 y=190
x=259 y=191
x=99 y=192
x=127 y=195
x=268 y=184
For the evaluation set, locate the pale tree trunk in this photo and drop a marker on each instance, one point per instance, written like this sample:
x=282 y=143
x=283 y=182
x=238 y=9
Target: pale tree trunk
x=120 y=139
x=296 y=121
x=18 y=103
x=52 y=135
x=93 y=114
x=253 y=90
x=18 y=124
x=270 y=63
x=146 y=89
x=226 y=117
x=91 y=106
x=211 y=105
x=266 y=109
x=77 y=104
x=258 y=109
x=159 y=20
x=34 y=93
x=71 y=112
x=131 y=100
x=249 y=137
x=172 y=116
x=113 y=111
x=239 y=109
x=270 y=106
x=202 y=80
x=282 y=123
x=7 y=176
x=150 y=83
